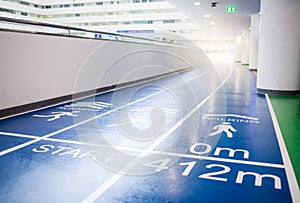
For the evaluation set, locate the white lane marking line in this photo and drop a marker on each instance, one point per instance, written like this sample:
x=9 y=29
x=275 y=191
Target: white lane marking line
x=104 y=92
x=112 y=90
x=84 y=121
x=231 y=115
x=19 y=135
x=192 y=156
x=75 y=125
x=148 y=108
x=236 y=161
x=110 y=182
x=294 y=188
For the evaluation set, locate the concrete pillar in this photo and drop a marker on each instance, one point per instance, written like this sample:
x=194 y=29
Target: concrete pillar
x=253 y=61
x=238 y=49
x=279 y=47
x=245 y=47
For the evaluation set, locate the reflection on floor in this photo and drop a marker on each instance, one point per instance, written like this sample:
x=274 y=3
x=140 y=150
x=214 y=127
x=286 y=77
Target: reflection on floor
x=199 y=136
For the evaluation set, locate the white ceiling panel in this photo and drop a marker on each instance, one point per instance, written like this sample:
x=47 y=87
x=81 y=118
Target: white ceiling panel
x=219 y=24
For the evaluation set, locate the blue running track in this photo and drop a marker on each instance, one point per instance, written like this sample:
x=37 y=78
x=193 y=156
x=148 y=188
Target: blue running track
x=189 y=137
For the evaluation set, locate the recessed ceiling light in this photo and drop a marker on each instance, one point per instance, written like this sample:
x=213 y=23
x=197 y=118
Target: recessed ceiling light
x=207 y=16
x=250 y=28
x=197 y=3
x=212 y=23
x=215 y=28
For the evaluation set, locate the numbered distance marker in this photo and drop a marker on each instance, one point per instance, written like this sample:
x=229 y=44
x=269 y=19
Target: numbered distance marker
x=218 y=172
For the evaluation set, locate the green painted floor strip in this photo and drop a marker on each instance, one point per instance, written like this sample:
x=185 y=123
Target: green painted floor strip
x=287 y=110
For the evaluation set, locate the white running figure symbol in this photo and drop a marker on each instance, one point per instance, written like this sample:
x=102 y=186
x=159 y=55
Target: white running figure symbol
x=224 y=127
x=57 y=115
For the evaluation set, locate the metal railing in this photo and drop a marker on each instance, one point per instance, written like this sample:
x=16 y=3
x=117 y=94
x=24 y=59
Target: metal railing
x=48 y=28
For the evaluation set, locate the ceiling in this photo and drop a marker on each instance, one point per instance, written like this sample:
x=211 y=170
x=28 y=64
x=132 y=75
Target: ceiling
x=227 y=25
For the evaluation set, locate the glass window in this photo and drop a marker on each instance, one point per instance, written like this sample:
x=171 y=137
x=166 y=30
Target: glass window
x=24 y=3
x=143 y=22
x=7 y=10
x=168 y=21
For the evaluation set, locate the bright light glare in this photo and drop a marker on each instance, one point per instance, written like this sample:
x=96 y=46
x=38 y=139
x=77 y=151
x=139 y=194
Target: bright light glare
x=207 y=16
x=212 y=23
x=197 y=3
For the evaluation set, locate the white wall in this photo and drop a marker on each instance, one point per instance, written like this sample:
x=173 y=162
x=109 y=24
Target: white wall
x=253 y=57
x=38 y=67
x=238 y=49
x=216 y=46
x=245 y=47
x=279 y=46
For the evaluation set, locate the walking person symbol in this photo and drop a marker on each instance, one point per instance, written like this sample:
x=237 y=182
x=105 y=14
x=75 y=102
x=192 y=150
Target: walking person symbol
x=224 y=127
x=57 y=115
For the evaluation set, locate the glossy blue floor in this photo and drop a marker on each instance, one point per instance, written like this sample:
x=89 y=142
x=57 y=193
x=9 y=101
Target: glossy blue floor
x=202 y=135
